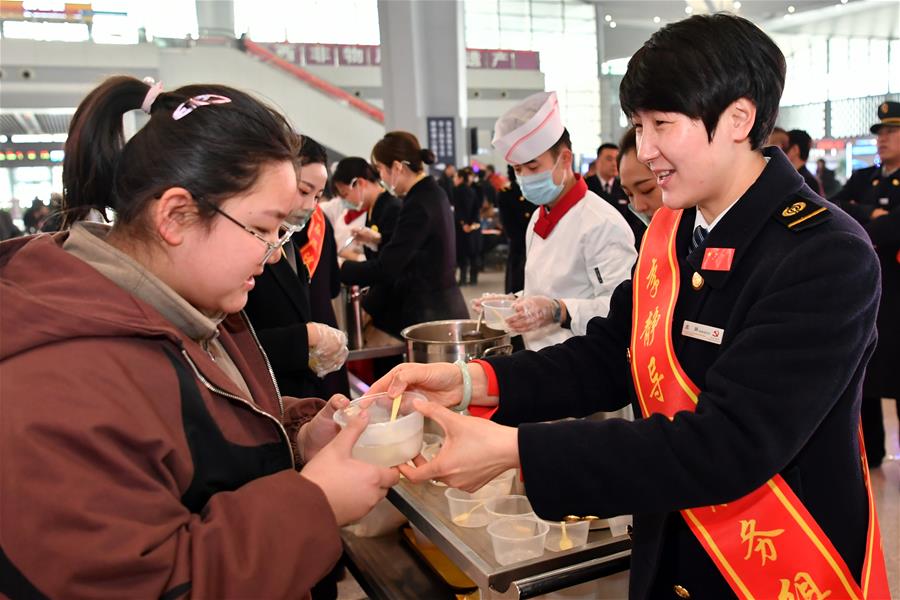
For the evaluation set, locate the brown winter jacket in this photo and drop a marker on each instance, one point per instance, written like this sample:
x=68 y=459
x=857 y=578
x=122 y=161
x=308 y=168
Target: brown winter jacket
x=131 y=465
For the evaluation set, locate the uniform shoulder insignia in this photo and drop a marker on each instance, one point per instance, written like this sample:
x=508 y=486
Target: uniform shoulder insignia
x=799 y=213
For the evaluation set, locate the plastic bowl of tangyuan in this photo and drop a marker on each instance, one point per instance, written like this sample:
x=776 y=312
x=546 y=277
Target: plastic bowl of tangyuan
x=385 y=442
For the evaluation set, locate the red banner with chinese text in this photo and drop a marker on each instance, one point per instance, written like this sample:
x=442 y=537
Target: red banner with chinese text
x=311 y=251
x=766 y=544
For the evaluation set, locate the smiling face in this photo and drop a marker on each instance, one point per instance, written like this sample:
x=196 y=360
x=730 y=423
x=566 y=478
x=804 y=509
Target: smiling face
x=690 y=169
x=215 y=265
x=639 y=183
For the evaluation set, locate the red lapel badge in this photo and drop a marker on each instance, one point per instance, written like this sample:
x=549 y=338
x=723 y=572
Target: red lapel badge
x=717 y=259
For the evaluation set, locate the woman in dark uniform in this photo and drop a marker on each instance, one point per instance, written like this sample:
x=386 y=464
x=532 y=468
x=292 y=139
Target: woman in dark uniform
x=420 y=259
x=357 y=183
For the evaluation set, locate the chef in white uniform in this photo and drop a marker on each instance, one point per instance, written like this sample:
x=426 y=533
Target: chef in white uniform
x=578 y=246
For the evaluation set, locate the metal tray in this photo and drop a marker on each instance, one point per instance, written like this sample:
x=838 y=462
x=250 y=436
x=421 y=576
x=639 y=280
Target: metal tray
x=470 y=549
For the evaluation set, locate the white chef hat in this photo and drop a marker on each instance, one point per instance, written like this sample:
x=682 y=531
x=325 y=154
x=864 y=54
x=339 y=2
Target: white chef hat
x=529 y=129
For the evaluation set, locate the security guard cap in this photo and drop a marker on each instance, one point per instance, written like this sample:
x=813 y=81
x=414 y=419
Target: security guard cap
x=888 y=114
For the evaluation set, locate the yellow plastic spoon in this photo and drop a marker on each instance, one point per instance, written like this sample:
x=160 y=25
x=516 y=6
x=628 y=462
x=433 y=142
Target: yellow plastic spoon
x=395 y=408
x=564 y=542
x=463 y=517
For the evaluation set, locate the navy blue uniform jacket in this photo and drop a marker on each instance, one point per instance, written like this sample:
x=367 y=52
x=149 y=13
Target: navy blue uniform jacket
x=865 y=191
x=780 y=395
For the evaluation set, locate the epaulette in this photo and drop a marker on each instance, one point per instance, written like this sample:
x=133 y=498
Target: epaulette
x=799 y=213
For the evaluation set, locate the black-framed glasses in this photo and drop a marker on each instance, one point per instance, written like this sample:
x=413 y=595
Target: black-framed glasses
x=271 y=247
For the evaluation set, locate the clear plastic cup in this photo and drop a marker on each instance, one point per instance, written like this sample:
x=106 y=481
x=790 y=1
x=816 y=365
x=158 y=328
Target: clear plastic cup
x=517 y=538
x=509 y=506
x=466 y=510
x=386 y=443
x=577 y=533
x=496 y=312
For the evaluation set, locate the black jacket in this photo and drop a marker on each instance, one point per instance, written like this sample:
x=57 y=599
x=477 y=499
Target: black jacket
x=810 y=179
x=324 y=286
x=419 y=261
x=279 y=307
x=866 y=190
x=381 y=302
x=617 y=197
x=466 y=211
x=780 y=395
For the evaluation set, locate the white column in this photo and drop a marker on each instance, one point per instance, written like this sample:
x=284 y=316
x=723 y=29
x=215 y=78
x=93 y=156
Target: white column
x=423 y=67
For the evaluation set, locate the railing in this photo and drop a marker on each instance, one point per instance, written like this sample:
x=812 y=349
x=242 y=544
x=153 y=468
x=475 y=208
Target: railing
x=320 y=84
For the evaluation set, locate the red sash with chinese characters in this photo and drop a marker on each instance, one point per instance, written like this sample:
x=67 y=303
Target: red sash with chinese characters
x=766 y=544
x=311 y=251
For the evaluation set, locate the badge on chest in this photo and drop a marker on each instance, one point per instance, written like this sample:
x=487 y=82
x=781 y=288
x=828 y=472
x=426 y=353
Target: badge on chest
x=704 y=333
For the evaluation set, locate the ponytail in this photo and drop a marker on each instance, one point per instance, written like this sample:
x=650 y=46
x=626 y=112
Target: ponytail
x=94 y=146
x=427 y=156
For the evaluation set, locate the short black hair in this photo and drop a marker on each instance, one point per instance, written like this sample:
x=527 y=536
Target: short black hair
x=700 y=65
x=626 y=145
x=354 y=167
x=564 y=141
x=606 y=146
x=801 y=139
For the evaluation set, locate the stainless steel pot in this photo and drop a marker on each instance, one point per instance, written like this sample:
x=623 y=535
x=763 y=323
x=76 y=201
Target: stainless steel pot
x=448 y=341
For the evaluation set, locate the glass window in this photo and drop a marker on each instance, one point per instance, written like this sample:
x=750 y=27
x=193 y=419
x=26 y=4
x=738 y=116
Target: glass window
x=46 y=32
x=309 y=21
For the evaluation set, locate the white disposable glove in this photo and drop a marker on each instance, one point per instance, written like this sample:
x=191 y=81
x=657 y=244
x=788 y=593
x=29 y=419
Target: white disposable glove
x=327 y=348
x=532 y=312
x=476 y=303
x=368 y=237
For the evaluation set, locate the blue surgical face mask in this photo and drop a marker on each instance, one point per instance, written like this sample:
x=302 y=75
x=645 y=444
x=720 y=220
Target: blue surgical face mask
x=350 y=205
x=644 y=218
x=540 y=188
x=300 y=217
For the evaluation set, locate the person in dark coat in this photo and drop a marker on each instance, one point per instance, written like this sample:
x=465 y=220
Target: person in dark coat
x=515 y=214
x=766 y=316
x=357 y=183
x=420 y=260
x=290 y=305
x=828 y=179
x=799 y=145
x=872 y=197
x=605 y=182
x=447 y=180
x=466 y=223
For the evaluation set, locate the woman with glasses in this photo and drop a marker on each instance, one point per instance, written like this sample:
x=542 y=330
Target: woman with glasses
x=290 y=305
x=420 y=260
x=147 y=451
